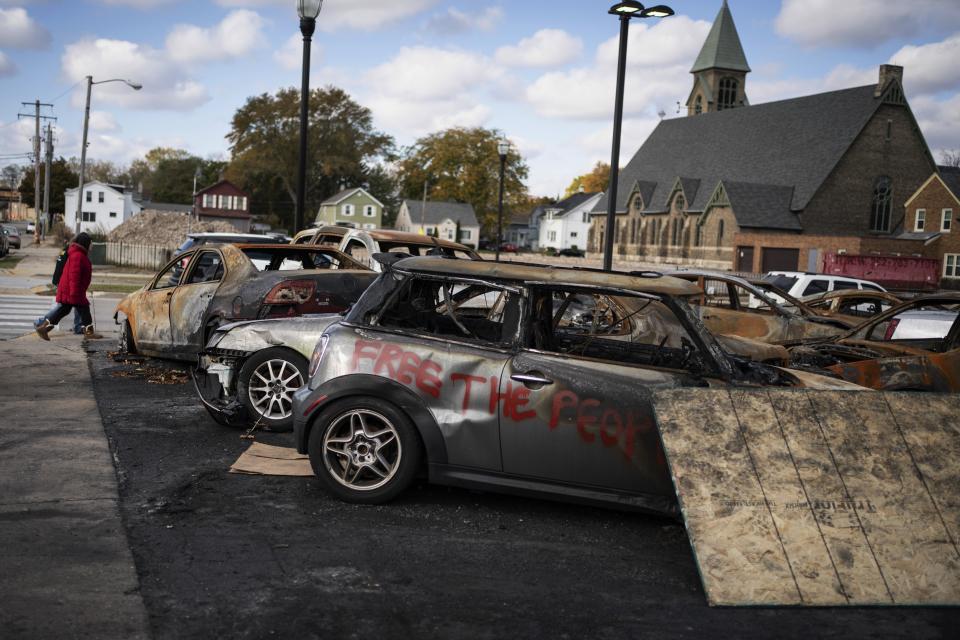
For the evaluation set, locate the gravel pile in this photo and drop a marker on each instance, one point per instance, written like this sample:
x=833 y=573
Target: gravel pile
x=163 y=228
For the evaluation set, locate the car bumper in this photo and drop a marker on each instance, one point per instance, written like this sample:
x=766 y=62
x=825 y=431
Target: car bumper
x=214 y=380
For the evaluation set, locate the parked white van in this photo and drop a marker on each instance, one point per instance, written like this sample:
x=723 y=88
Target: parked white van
x=799 y=284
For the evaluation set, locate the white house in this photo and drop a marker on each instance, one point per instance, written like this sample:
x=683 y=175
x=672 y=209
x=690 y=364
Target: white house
x=105 y=207
x=419 y=217
x=567 y=223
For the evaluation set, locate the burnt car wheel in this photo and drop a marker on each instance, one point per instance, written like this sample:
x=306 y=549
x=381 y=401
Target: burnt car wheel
x=364 y=450
x=127 y=344
x=266 y=384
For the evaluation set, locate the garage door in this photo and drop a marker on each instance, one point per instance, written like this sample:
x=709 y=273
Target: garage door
x=772 y=259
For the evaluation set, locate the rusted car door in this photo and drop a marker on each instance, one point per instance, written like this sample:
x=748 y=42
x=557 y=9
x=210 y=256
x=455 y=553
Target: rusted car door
x=189 y=302
x=151 y=317
x=576 y=402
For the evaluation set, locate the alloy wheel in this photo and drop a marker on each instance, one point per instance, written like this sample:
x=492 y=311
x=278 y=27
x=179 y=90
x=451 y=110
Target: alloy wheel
x=361 y=450
x=271 y=388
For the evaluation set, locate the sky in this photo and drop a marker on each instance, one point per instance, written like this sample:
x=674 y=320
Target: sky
x=542 y=73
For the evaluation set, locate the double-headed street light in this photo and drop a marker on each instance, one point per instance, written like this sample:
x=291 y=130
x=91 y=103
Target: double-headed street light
x=625 y=10
x=503 y=148
x=308 y=10
x=136 y=86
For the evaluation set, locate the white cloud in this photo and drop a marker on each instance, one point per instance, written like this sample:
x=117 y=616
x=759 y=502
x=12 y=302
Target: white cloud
x=930 y=67
x=103 y=121
x=239 y=33
x=139 y=4
x=19 y=31
x=939 y=120
x=658 y=62
x=7 y=68
x=862 y=22
x=290 y=54
x=165 y=84
x=454 y=21
x=368 y=15
x=545 y=48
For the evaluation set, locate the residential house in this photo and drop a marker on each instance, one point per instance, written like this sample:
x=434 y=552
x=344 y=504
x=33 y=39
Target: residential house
x=443 y=217
x=353 y=207
x=566 y=225
x=769 y=186
x=104 y=207
x=932 y=214
x=224 y=201
x=518 y=230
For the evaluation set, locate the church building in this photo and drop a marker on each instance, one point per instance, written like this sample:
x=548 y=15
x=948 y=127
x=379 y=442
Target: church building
x=771 y=186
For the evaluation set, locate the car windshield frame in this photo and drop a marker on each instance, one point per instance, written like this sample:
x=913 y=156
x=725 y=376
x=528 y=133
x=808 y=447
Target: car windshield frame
x=343 y=261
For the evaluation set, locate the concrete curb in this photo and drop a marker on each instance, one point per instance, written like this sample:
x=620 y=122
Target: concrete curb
x=67 y=567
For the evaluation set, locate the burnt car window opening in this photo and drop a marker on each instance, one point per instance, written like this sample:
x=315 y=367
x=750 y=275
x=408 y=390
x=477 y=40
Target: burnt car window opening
x=860 y=307
x=289 y=260
x=170 y=277
x=629 y=330
x=208 y=267
x=716 y=294
x=455 y=310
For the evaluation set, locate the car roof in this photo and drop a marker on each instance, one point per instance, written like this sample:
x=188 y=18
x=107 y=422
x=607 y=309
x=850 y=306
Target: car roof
x=850 y=293
x=409 y=237
x=227 y=234
x=528 y=272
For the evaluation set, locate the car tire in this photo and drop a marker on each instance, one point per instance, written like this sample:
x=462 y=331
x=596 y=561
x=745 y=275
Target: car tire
x=127 y=345
x=266 y=383
x=374 y=433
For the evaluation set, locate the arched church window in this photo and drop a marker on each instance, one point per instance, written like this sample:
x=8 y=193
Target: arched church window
x=698 y=105
x=720 y=234
x=728 y=93
x=880 y=209
x=680 y=203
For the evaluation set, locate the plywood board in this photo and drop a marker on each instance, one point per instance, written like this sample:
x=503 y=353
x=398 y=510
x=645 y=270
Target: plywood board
x=268 y=460
x=818 y=498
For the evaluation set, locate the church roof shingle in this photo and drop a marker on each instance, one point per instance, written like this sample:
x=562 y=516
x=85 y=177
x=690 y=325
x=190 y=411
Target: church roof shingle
x=789 y=144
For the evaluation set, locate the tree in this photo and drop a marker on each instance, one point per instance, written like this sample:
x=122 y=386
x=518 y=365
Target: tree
x=950 y=157
x=597 y=180
x=10 y=176
x=62 y=177
x=463 y=165
x=342 y=144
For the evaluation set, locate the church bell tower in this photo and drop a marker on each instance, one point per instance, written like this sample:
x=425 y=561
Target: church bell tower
x=720 y=71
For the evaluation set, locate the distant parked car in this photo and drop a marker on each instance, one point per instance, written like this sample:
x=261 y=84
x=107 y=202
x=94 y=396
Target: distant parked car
x=572 y=252
x=31 y=227
x=4 y=245
x=206 y=287
x=13 y=235
x=197 y=239
x=509 y=247
x=800 y=285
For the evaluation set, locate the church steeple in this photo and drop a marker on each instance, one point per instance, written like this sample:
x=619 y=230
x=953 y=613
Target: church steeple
x=720 y=70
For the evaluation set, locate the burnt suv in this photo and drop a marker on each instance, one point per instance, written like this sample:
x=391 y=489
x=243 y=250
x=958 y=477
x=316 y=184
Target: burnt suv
x=513 y=377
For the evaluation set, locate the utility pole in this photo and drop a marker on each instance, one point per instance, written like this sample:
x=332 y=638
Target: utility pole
x=48 y=216
x=36 y=160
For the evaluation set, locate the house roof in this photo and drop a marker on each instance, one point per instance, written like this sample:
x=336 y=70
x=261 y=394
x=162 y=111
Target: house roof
x=951 y=178
x=346 y=193
x=571 y=203
x=217 y=184
x=167 y=206
x=795 y=143
x=437 y=212
x=118 y=188
x=765 y=206
x=722 y=48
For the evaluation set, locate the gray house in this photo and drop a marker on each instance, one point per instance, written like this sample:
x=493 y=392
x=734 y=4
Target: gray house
x=426 y=217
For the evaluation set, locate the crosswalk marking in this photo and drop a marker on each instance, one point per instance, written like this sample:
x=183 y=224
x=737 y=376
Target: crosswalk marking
x=17 y=314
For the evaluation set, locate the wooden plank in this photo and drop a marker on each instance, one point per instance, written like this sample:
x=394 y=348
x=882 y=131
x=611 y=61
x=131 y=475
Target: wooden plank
x=817 y=497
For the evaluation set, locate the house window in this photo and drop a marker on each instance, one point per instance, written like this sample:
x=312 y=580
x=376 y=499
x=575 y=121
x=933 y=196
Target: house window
x=219 y=202
x=347 y=209
x=698 y=105
x=206 y=201
x=100 y=196
x=889 y=129
x=946 y=218
x=369 y=226
x=921 y=219
x=882 y=197
x=951 y=265
x=450 y=234
x=553 y=236
x=698 y=236
x=243 y=203
x=680 y=203
x=466 y=234
x=573 y=234
x=369 y=211
x=586 y=217
x=429 y=231
x=728 y=93
x=88 y=216
x=113 y=214
x=89 y=196
x=720 y=233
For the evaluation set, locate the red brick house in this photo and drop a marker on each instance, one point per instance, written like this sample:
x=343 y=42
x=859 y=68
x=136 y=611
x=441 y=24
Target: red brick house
x=224 y=201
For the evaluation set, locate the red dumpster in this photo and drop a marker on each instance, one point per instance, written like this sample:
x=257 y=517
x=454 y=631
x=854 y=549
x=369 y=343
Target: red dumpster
x=909 y=273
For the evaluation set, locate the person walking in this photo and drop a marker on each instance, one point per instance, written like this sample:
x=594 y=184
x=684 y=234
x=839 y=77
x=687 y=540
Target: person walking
x=72 y=289
x=57 y=272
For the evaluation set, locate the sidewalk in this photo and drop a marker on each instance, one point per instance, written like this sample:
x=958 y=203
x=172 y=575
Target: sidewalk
x=66 y=565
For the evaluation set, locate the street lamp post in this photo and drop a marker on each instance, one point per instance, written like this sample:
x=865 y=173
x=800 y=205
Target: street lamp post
x=83 y=146
x=503 y=147
x=625 y=10
x=308 y=10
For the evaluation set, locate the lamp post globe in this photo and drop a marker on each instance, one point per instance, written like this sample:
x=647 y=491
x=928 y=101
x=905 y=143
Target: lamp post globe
x=625 y=10
x=308 y=10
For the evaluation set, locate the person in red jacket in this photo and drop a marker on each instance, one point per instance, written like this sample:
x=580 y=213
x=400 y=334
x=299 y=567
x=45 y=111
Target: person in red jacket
x=72 y=289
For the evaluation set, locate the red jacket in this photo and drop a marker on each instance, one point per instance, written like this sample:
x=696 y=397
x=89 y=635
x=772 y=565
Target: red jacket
x=76 y=277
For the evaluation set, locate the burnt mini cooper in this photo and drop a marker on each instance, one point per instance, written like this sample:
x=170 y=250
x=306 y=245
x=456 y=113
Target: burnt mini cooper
x=520 y=378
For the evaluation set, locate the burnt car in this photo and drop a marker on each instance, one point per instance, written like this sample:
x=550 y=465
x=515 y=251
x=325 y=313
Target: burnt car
x=729 y=305
x=512 y=377
x=174 y=314
x=914 y=346
x=249 y=370
x=854 y=306
x=362 y=245
x=327 y=235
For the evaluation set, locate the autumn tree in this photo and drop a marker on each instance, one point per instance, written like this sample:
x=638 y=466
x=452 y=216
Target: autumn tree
x=343 y=146
x=597 y=180
x=62 y=177
x=463 y=165
x=950 y=157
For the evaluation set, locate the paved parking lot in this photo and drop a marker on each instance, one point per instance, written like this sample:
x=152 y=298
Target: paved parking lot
x=245 y=556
